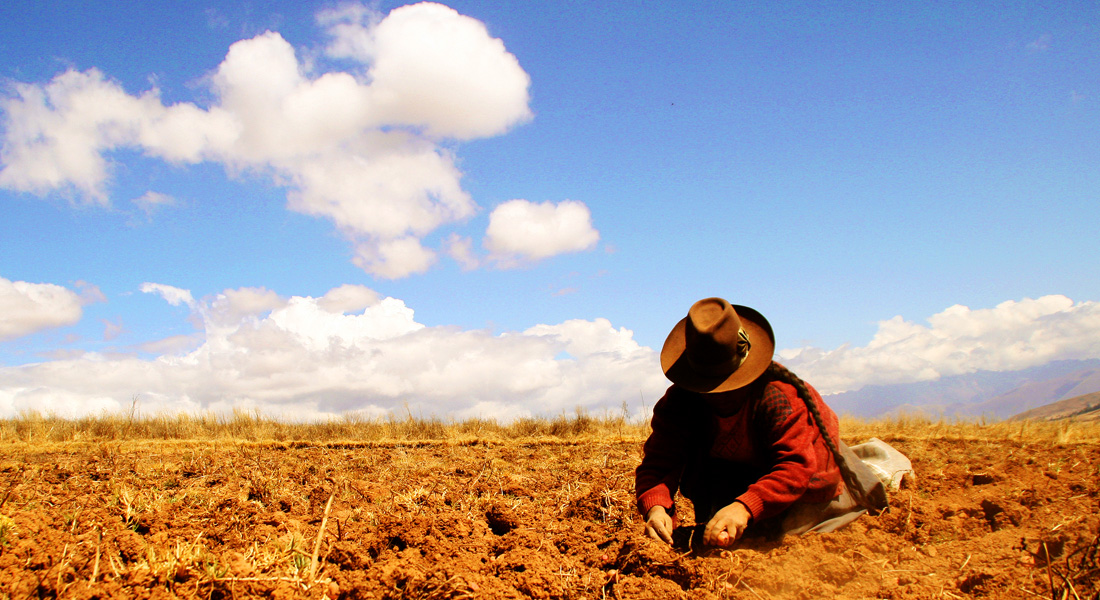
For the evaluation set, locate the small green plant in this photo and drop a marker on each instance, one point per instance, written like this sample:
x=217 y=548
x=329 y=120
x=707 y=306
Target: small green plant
x=70 y=519
x=301 y=563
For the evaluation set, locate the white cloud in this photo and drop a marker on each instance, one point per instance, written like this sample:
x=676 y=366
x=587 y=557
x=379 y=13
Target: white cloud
x=89 y=293
x=350 y=351
x=420 y=50
x=29 y=307
x=1013 y=335
x=232 y=306
x=461 y=249
x=382 y=194
x=348 y=298
x=350 y=27
x=393 y=259
x=112 y=329
x=362 y=149
x=305 y=360
x=317 y=328
x=171 y=294
x=521 y=231
x=150 y=201
x=177 y=344
x=55 y=134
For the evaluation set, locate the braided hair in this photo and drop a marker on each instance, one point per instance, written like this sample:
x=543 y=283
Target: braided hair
x=777 y=372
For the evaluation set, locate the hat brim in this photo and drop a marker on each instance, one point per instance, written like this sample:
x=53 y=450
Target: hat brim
x=762 y=348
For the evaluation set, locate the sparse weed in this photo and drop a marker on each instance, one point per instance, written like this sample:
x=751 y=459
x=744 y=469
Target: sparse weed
x=71 y=518
x=125 y=500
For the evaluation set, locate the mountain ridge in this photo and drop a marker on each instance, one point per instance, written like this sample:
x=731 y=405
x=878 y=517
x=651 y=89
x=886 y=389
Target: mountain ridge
x=1085 y=407
x=990 y=394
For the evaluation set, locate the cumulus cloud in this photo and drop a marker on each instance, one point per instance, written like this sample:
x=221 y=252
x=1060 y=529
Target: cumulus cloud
x=29 y=307
x=419 y=50
x=347 y=351
x=1013 y=335
x=364 y=149
x=521 y=231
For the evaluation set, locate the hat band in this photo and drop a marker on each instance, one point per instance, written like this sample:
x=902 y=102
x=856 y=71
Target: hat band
x=725 y=367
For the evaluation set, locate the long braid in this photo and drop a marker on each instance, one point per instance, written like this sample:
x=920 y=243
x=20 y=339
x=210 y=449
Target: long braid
x=855 y=488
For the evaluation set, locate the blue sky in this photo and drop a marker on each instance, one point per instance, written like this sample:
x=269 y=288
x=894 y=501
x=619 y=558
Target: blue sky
x=904 y=191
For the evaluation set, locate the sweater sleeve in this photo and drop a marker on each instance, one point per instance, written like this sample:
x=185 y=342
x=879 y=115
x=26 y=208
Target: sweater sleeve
x=787 y=435
x=665 y=453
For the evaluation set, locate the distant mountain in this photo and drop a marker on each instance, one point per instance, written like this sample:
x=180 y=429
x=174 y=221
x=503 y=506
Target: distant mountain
x=1083 y=408
x=993 y=394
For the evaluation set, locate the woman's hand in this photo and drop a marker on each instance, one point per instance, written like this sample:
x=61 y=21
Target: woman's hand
x=727 y=525
x=658 y=524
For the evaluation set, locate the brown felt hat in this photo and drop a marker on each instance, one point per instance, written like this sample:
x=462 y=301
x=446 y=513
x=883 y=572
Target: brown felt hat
x=718 y=347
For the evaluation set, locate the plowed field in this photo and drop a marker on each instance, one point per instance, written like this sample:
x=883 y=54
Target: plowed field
x=514 y=520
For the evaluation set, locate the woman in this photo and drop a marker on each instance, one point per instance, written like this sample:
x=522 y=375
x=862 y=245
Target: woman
x=734 y=436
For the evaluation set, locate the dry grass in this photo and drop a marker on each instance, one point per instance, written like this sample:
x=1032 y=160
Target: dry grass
x=925 y=428
x=35 y=428
x=242 y=426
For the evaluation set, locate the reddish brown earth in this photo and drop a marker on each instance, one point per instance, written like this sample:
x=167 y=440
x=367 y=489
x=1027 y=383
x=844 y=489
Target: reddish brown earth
x=514 y=520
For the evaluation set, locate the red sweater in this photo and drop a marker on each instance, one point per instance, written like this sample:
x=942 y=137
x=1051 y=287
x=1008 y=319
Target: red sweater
x=768 y=429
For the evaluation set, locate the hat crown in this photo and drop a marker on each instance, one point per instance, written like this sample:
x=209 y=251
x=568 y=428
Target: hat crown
x=715 y=342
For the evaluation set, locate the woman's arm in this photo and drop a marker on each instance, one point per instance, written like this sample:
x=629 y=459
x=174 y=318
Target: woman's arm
x=786 y=434
x=665 y=453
